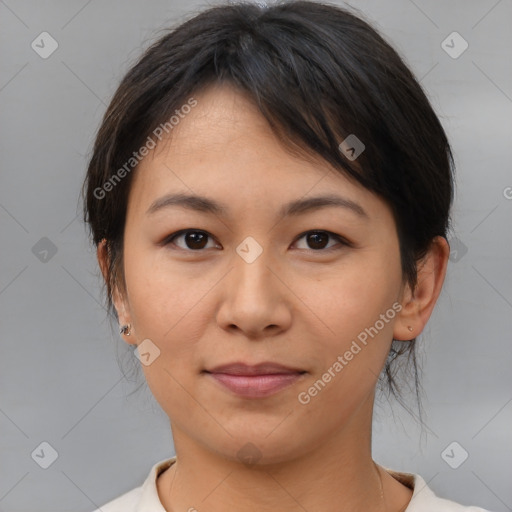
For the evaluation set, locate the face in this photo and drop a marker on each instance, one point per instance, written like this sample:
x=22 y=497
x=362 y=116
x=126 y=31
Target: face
x=316 y=289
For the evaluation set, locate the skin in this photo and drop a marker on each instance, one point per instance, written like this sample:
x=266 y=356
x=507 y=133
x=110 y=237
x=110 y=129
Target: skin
x=298 y=304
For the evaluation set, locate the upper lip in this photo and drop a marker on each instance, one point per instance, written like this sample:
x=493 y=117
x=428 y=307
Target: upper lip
x=264 y=368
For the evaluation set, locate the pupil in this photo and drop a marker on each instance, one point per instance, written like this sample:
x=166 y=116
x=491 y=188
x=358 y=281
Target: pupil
x=314 y=238
x=193 y=238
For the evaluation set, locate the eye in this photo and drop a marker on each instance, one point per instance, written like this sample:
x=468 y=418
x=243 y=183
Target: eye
x=194 y=239
x=317 y=240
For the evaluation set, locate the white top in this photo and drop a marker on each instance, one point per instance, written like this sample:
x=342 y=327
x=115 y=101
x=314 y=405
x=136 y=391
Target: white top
x=145 y=498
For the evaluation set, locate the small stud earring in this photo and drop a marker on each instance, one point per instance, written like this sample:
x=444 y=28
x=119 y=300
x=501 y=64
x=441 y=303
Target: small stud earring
x=410 y=328
x=125 y=329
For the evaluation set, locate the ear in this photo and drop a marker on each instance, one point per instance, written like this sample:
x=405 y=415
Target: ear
x=418 y=306
x=117 y=298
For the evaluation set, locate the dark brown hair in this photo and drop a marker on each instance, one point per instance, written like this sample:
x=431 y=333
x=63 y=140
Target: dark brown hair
x=317 y=73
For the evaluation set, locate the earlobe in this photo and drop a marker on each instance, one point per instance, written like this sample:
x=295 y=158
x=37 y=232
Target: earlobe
x=406 y=326
x=125 y=326
x=117 y=299
x=417 y=307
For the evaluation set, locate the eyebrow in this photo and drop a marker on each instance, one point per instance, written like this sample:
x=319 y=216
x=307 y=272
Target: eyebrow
x=297 y=207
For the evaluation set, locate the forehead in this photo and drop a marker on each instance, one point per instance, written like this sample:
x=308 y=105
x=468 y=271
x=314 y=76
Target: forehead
x=224 y=146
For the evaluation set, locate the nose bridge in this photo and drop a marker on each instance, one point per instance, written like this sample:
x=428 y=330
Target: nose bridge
x=252 y=266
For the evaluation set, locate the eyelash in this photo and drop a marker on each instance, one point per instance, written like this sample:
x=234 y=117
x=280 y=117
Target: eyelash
x=344 y=242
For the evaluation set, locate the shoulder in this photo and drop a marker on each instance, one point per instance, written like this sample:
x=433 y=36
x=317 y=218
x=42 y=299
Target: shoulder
x=124 y=503
x=425 y=500
x=143 y=498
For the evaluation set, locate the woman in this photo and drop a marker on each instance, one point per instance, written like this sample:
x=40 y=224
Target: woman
x=270 y=194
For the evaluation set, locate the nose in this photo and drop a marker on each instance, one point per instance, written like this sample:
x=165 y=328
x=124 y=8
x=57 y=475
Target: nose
x=255 y=298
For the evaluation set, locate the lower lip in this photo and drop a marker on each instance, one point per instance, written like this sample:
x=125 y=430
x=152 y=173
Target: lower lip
x=256 y=386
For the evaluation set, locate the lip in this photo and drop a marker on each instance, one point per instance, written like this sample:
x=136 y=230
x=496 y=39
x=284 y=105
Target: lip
x=255 y=381
x=264 y=368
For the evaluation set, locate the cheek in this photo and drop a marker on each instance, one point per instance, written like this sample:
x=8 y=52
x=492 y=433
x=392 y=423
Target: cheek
x=355 y=316
x=168 y=308
x=353 y=297
x=162 y=296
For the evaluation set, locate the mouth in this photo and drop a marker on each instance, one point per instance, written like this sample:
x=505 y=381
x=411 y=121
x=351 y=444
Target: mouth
x=255 y=381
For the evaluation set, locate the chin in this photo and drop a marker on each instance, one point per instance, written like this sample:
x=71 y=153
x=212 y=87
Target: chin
x=257 y=447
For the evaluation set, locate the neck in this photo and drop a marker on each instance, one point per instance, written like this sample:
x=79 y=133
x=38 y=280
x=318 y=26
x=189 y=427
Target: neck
x=336 y=475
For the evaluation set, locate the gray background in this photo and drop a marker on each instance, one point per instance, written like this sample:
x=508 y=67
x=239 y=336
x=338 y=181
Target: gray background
x=59 y=373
